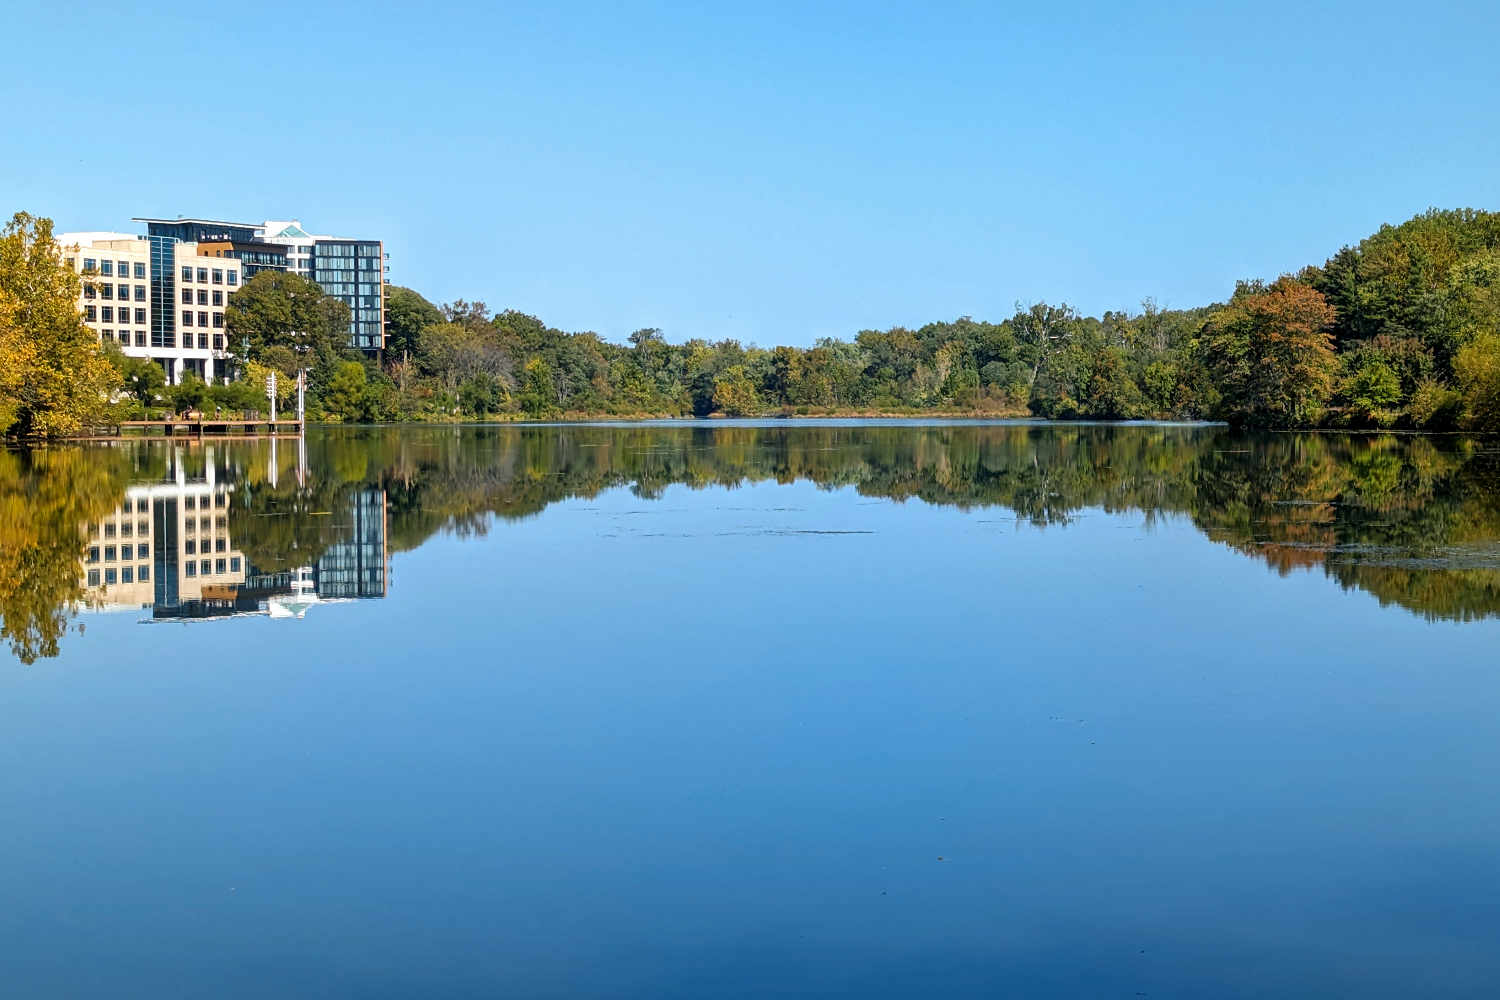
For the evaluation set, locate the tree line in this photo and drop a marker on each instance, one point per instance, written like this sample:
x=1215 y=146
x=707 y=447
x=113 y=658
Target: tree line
x=1402 y=330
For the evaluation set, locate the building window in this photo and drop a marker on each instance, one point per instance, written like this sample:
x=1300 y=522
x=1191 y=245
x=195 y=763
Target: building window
x=140 y=338
x=234 y=564
x=187 y=273
x=89 y=291
x=89 y=264
x=219 y=546
x=140 y=269
x=124 y=291
x=124 y=268
x=89 y=314
x=93 y=578
x=204 y=566
x=203 y=296
x=203 y=319
x=187 y=318
x=107 y=334
x=109 y=553
x=233 y=277
x=191 y=568
x=140 y=317
x=218 y=297
x=203 y=341
x=203 y=275
x=109 y=576
x=190 y=503
x=93 y=553
x=143 y=573
x=107 y=314
x=218 y=276
x=107 y=268
x=126 y=530
x=219 y=565
x=140 y=293
x=219 y=320
x=190 y=547
x=218 y=337
x=109 y=529
x=106 y=291
x=187 y=296
x=142 y=551
x=127 y=574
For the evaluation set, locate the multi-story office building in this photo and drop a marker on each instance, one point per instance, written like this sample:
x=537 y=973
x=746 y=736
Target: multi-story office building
x=162 y=300
x=162 y=295
x=351 y=270
x=186 y=256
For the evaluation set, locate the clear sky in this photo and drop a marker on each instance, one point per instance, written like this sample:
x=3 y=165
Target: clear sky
x=774 y=172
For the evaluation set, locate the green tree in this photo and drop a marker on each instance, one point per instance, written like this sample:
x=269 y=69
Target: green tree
x=407 y=314
x=54 y=378
x=188 y=394
x=344 y=395
x=1372 y=387
x=536 y=398
x=287 y=322
x=142 y=378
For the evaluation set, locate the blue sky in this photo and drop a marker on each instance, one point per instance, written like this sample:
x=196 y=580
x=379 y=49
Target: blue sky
x=772 y=172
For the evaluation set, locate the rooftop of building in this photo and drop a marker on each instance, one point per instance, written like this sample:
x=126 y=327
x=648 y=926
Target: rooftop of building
x=197 y=221
x=88 y=239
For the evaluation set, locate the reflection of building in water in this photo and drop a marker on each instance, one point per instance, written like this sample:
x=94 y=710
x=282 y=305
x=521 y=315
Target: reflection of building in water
x=166 y=545
x=167 y=548
x=356 y=566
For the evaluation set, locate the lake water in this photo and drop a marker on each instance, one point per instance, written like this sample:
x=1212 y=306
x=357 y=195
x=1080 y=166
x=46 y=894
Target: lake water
x=737 y=710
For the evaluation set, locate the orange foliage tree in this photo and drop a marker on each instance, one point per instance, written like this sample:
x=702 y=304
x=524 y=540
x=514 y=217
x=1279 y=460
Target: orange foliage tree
x=1271 y=354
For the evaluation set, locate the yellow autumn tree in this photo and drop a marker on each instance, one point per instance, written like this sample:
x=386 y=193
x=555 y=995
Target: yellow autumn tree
x=1477 y=368
x=54 y=378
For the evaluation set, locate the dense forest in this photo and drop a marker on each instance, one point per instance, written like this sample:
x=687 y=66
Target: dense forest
x=1402 y=330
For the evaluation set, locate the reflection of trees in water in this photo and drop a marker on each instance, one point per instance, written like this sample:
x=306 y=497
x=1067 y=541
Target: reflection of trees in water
x=1413 y=520
x=1359 y=507
x=47 y=499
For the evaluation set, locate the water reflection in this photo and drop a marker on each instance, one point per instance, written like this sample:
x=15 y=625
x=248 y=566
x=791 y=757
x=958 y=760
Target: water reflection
x=210 y=530
x=208 y=540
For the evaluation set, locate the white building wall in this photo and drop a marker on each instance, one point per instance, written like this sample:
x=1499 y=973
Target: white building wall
x=118 y=307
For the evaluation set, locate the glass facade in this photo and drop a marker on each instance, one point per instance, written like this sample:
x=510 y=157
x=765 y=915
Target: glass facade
x=163 y=291
x=240 y=241
x=354 y=272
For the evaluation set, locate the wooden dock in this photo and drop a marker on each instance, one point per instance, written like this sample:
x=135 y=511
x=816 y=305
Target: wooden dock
x=209 y=427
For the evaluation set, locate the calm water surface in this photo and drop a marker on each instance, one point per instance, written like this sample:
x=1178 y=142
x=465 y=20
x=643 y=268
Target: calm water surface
x=751 y=711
